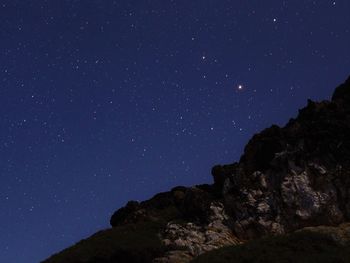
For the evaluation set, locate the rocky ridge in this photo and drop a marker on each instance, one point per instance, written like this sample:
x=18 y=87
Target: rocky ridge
x=287 y=179
x=292 y=177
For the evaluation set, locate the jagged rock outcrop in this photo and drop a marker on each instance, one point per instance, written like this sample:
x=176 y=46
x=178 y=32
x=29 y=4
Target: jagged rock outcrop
x=188 y=240
x=190 y=204
x=287 y=179
x=293 y=177
x=194 y=221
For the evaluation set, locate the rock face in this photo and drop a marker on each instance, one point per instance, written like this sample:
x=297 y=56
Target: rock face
x=288 y=178
x=186 y=241
x=190 y=204
x=293 y=177
x=194 y=219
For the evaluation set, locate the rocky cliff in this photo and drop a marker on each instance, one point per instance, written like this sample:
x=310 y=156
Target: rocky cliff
x=293 y=177
x=287 y=179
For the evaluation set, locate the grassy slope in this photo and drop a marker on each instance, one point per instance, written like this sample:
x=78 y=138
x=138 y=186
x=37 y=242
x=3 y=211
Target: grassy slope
x=129 y=243
x=301 y=247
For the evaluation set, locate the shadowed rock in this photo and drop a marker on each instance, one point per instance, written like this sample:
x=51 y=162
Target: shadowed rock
x=294 y=176
x=342 y=92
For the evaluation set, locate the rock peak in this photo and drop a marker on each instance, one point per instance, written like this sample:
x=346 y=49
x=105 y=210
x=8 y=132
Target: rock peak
x=342 y=92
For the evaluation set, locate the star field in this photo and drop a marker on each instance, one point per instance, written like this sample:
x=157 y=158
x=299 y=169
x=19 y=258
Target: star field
x=107 y=101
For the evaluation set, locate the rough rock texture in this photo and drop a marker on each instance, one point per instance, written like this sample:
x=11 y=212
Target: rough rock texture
x=295 y=176
x=186 y=241
x=194 y=217
x=288 y=178
x=190 y=204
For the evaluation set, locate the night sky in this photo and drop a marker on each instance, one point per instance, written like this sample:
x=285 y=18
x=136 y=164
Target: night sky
x=106 y=101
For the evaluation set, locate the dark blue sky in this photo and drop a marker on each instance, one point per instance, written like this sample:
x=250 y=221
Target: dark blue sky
x=106 y=101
